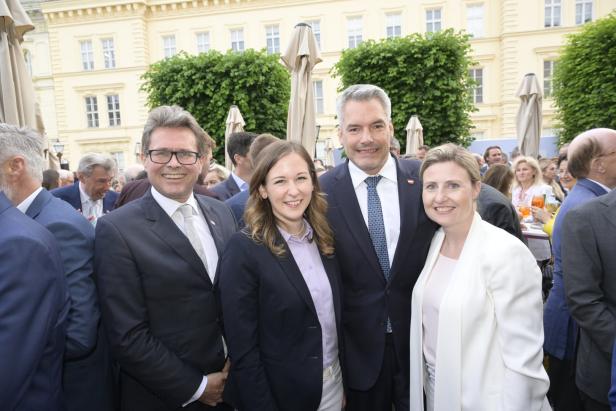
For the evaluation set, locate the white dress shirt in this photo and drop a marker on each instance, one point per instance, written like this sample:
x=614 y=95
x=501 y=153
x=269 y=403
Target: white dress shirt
x=243 y=185
x=170 y=207
x=24 y=205
x=387 y=188
x=91 y=209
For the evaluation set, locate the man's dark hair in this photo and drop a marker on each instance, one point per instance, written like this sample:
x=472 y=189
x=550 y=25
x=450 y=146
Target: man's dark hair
x=239 y=143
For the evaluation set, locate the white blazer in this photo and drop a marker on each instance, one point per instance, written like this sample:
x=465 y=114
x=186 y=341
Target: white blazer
x=489 y=351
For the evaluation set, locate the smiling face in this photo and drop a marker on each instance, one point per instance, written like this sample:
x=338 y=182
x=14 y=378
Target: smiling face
x=173 y=180
x=288 y=187
x=449 y=195
x=365 y=134
x=549 y=172
x=524 y=173
x=566 y=179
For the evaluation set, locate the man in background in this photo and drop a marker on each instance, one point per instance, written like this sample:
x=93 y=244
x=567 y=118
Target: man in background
x=238 y=145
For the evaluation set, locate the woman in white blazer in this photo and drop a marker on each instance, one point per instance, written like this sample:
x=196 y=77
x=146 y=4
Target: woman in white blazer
x=476 y=325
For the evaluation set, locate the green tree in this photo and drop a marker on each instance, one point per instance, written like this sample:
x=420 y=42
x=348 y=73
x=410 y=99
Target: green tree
x=209 y=83
x=425 y=75
x=585 y=80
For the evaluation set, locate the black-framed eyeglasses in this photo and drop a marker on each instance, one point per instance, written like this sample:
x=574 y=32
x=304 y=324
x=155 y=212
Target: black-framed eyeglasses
x=186 y=158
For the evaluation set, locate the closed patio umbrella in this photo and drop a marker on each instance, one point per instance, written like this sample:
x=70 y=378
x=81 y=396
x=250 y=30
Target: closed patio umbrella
x=300 y=58
x=235 y=124
x=528 y=120
x=329 y=152
x=414 y=135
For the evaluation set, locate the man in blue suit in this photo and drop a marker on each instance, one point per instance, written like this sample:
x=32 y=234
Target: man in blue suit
x=595 y=178
x=378 y=271
x=33 y=311
x=237 y=148
x=92 y=195
x=86 y=380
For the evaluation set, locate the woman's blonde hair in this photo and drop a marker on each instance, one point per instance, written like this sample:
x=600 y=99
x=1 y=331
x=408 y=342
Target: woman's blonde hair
x=259 y=216
x=456 y=154
x=532 y=163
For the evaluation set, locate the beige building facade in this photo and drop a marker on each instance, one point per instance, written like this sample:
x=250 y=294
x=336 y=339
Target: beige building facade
x=88 y=56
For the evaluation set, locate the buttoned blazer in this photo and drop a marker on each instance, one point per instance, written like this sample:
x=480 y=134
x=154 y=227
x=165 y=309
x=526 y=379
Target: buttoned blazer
x=560 y=328
x=33 y=310
x=368 y=299
x=272 y=328
x=489 y=348
x=589 y=272
x=71 y=195
x=158 y=303
x=226 y=189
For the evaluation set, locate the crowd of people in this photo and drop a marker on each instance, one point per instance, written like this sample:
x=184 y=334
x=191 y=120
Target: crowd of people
x=382 y=283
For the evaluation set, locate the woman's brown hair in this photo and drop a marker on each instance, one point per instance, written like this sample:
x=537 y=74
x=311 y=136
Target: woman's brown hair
x=259 y=217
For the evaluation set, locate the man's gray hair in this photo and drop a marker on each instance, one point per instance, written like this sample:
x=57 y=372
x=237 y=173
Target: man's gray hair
x=25 y=142
x=91 y=160
x=174 y=117
x=362 y=92
x=394 y=143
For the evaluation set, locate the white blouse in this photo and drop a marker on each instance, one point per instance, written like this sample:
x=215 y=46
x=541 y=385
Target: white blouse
x=519 y=197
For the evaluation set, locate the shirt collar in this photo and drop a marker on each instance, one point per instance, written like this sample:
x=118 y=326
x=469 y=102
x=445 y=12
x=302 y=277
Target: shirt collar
x=240 y=183
x=83 y=195
x=603 y=186
x=306 y=237
x=24 y=205
x=388 y=172
x=170 y=206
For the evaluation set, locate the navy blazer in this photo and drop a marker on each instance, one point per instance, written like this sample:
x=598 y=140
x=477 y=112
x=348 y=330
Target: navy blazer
x=559 y=328
x=368 y=299
x=33 y=310
x=272 y=328
x=158 y=303
x=237 y=204
x=612 y=394
x=71 y=195
x=226 y=189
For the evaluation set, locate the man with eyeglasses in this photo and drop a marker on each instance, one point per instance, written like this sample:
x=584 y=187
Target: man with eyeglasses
x=156 y=260
x=92 y=195
x=592 y=162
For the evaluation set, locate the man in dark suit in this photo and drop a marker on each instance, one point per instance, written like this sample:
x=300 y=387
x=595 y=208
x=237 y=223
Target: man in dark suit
x=92 y=195
x=86 y=379
x=498 y=210
x=588 y=162
x=382 y=238
x=589 y=272
x=239 y=180
x=156 y=260
x=33 y=311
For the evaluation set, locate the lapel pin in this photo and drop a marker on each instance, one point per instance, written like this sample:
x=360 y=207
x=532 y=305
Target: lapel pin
x=410 y=181
x=213 y=223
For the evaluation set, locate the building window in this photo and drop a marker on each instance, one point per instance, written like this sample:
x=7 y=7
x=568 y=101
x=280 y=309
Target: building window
x=318 y=96
x=108 y=53
x=583 y=11
x=272 y=39
x=28 y=60
x=203 y=42
x=394 y=25
x=354 y=31
x=113 y=109
x=92 y=111
x=87 y=55
x=477 y=75
x=169 y=49
x=118 y=156
x=237 y=39
x=548 y=74
x=316 y=30
x=552 y=13
x=433 y=20
x=474 y=20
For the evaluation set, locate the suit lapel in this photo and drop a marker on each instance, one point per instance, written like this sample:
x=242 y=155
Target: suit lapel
x=349 y=209
x=215 y=226
x=75 y=197
x=609 y=201
x=330 y=267
x=291 y=270
x=37 y=205
x=164 y=227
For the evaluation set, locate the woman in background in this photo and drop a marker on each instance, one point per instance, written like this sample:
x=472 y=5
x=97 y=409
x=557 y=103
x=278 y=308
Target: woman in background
x=500 y=177
x=528 y=182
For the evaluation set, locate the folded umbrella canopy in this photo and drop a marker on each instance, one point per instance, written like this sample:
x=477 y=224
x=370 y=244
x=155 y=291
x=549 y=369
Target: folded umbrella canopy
x=528 y=120
x=414 y=135
x=235 y=124
x=300 y=58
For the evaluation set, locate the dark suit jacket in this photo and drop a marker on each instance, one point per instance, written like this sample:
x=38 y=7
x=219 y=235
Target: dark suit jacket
x=559 y=328
x=33 y=309
x=272 y=328
x=237 y=204
x=498 y=210
x=70 y=194
x=158 y=302
x=589 y=271
x=136 y=189
x=226 y=189
x=368 y=298
x=86 y=379
x=612 y=394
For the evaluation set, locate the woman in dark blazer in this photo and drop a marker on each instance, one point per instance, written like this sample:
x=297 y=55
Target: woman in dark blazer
x=280 y=292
